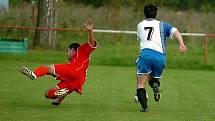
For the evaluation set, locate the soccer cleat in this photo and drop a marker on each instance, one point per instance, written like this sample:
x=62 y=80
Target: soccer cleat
x=156 y=91
x=28 y=73
x=55 y=102
x=157 y=96
x=61 y=92
x=144 y=110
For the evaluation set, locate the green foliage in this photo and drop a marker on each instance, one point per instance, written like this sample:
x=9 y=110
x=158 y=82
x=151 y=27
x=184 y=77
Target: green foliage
x=95 y=3
x=14 y=2
x=200 y=5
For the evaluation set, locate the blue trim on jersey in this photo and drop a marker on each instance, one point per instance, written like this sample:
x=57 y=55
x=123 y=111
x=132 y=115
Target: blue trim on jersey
x=163 y=39
x=165 y=30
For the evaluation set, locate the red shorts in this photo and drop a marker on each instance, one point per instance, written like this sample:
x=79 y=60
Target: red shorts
x=69 y=78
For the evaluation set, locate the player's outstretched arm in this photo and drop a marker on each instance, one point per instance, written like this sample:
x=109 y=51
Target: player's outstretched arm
x=182 y=47
x=89 y=27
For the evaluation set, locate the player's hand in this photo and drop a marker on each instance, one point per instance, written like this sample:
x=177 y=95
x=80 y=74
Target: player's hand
x=182 y=49
x=89 y=24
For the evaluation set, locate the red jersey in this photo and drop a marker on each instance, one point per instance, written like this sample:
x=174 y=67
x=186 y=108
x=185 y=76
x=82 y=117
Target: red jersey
x=73 y=75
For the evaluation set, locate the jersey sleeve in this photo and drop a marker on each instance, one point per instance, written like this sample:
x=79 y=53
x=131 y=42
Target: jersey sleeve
x=138 y=33
x=85 y=50
x=169 y=30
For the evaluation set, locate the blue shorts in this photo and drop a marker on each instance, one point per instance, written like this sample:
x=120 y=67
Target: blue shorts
x=151 y=62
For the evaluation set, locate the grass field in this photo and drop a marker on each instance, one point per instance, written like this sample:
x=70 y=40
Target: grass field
x=108 y=96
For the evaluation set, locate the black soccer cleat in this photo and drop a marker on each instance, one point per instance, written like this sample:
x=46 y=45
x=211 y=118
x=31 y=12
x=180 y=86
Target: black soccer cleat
x=144 y=110
x=157 y=96
x=156 y=91
x=27 y=72
x=55 y=103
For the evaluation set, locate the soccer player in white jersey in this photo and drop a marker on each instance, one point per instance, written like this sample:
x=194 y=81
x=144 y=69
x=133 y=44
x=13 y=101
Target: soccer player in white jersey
x=152 y=34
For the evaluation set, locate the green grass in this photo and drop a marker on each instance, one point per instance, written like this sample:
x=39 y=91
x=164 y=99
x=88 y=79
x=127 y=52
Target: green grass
x=108 y=96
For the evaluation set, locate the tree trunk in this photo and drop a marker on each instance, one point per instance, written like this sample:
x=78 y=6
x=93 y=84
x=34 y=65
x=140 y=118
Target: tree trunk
x=46 y=18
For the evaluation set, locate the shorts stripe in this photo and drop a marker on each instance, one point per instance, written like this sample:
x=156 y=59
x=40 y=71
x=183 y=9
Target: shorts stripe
x=157 y=77
x=143 y=73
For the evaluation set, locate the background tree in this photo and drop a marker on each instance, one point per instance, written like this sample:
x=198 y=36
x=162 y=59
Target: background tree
x=47 y=17
x=4 y=5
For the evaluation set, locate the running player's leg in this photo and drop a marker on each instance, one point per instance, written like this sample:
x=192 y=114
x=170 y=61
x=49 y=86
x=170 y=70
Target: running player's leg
x=40 y=71
x=141 y=92
x=143 y=71
x=154 y=82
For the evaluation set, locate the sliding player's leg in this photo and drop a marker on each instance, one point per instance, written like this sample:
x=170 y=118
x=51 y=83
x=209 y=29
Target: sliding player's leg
x=58 y=100
x=28 y=72
x=57 y=95
x=50 y=94
x=69 y=83
x=39 y=71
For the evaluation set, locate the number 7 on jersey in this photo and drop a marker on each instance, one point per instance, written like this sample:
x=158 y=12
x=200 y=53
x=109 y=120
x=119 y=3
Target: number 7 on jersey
x=151 y=30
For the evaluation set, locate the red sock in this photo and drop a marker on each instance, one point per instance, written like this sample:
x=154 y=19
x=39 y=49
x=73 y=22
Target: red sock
x=41 y=71
x=51 y=94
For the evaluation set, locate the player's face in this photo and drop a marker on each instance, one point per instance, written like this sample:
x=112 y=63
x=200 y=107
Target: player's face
x=70 y=53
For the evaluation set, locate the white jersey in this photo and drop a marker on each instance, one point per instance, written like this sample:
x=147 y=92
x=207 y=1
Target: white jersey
x=152 y=34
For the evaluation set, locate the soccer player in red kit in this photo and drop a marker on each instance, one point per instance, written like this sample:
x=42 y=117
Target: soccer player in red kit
x=73 y=75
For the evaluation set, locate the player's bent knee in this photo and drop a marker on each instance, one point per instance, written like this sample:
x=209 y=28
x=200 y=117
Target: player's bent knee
x=154 y=80
x=50 y=69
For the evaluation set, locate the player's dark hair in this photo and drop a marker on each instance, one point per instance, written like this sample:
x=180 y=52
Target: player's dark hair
x=150 y=11
x=74 y=45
